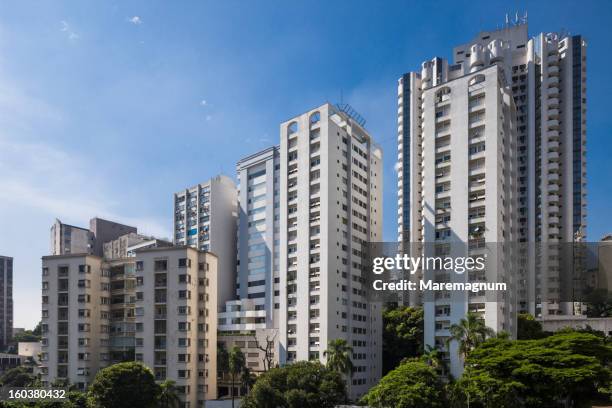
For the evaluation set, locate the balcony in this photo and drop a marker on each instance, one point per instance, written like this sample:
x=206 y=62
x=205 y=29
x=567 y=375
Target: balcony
x=553 y=70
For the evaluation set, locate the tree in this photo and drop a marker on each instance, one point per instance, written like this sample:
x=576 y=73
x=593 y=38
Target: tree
x=339 y=355
x=247 y=379
x=304 y=384
x=469 y=333
x=568 y=367
x=17 y=377
x=402 y=335
x=267 y=347
x=528 y=328
x=413 y=384
x=599 y=303
x=236 y=363
x=434 y=358
x=124 y=385
x=168 y=395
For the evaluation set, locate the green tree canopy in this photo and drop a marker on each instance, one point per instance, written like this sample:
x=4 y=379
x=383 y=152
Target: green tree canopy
x=402 y=335
x=168 y=395
x=568 y=367
x=470 y=332
x=413 y=384
x=301 y=385
x=17 y=377
x=528 y=328
x=339 y=355
x=124 y=385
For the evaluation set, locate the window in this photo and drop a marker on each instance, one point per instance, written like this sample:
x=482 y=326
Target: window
x=315 y=118
x=184 y=263
x=476 y=80
x=292 y=128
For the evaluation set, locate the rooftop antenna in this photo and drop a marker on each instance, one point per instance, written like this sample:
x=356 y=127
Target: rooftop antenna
x=516 y=18
x=507 y=20
x=525 y=18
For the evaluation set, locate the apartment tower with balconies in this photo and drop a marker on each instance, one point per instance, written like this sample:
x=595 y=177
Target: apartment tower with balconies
x=205 y=219
x=330 y=208
x=492 y=148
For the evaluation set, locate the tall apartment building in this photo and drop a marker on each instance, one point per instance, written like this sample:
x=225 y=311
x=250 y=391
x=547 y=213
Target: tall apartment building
x=177 y=298
x=6 y=300
x=330 y=207
x=205 y=219
x=257 y=281
x=533 y=181
x=68 y=239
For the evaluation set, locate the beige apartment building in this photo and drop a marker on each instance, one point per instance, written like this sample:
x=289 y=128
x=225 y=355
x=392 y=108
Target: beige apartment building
x=177 y=298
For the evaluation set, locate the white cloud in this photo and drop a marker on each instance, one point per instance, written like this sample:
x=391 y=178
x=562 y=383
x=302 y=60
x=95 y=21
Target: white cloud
x=39 y=182
x=136 y=20
x=203 y=102
x=208 y=118
x=69 y=32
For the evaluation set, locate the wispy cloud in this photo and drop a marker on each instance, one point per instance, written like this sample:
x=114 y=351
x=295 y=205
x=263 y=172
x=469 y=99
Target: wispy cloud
x=203 y=102
x=59 y=184
x=136 y=20
x=208 y=118
x=65 y=28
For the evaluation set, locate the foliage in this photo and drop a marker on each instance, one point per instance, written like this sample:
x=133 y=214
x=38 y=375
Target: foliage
x=402 y=335
x=26 y=336
x=599 y=303
x=339 y=355
x=17 y=377
x=528 y=328
x=236 y=364
x=168 y=395
x=300 y=385
x=222 y=358
x=413 y=384
x=434 y=358
x=470 y=332
x=568 y=366
x=124 y=385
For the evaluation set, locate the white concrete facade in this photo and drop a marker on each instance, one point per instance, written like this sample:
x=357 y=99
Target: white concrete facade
x=532 y=184
x=205 y=219
x=330 y=205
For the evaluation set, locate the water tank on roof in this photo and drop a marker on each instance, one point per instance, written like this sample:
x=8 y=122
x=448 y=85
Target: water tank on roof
x=477 y=57
x=496 y=48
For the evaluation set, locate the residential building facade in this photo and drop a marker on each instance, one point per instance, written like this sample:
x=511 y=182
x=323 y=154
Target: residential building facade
x=6 y=300
x=205 y=219
x=491 y=147
x=330 y=208
x=177 y=298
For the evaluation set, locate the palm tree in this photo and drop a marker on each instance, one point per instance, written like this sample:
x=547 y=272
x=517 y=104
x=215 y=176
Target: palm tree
x=236 y=364
x=339 y=355
x=247 y=379
x=168 y=396
x=434 y=358
x=469 y=333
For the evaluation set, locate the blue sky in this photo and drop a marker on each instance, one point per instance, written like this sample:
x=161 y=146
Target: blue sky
x=107 y=108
